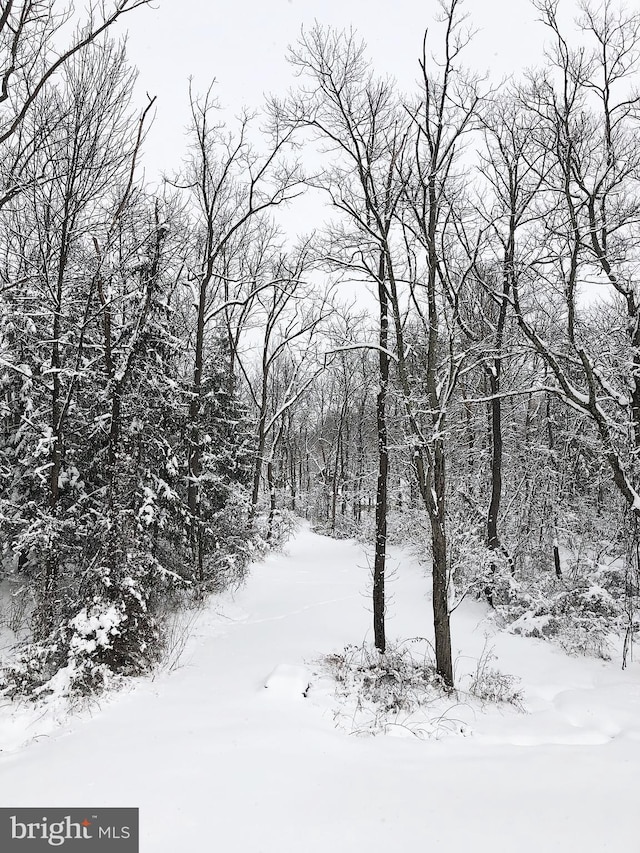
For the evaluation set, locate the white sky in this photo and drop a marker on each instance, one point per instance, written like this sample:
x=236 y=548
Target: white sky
x=243 y=45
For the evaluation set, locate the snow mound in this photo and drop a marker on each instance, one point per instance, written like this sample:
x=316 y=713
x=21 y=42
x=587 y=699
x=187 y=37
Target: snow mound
x=289 y=681
x=611 y=710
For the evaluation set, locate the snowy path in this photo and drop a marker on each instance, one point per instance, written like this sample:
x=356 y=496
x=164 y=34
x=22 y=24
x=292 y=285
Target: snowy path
x=216 y=762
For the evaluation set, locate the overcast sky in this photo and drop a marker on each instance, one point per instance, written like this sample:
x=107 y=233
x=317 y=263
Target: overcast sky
x=243 y=44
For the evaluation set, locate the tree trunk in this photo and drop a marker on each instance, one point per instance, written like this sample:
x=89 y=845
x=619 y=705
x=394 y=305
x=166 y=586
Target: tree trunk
x=555 y=490
x=441 y=622
x=379 y=563
x=194 y=461
x=272 y=499
x=495 y=435
x=47 y=608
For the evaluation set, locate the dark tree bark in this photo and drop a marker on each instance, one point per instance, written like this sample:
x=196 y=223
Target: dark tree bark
x=379 y=565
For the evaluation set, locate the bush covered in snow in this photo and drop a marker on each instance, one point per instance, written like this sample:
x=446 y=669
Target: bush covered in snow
x=394 y=681
x=113 y=633
x=490 y=685
x=345 y=527
x=579 y=613
x=380 y=693
x=383 y=693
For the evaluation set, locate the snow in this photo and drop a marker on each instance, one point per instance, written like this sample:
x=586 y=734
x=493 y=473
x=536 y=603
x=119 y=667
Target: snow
x=289 y=681
x=216 y=761
x=95 y=627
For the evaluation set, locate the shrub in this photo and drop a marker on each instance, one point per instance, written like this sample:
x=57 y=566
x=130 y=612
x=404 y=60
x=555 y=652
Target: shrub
x=398 y=690
x=491 y=685
x=579 y=617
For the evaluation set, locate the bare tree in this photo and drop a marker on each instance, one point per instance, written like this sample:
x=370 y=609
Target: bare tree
x=289 y=359
x=232 y=187
x=357 y=118
x=513 y=166
x=587 y=112
x=31 y=55
x=443 y=114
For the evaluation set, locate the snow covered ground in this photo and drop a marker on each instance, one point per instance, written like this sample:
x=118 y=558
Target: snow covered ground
x=226 y=752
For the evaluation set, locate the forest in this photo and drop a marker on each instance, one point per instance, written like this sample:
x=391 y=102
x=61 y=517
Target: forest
x=451 y=362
